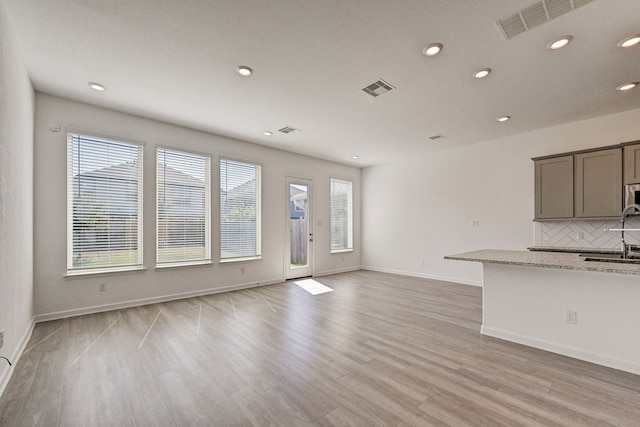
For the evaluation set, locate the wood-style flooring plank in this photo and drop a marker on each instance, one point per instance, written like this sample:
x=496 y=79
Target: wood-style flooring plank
x=380 y=350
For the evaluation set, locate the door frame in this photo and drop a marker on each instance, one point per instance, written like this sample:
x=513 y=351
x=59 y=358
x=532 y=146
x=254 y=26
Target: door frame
x=298 y=272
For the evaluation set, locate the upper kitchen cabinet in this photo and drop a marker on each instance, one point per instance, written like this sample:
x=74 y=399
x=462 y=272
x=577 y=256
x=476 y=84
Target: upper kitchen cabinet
x=598 y=183
x=554 y=187
x=583 y=184
x=631 y=162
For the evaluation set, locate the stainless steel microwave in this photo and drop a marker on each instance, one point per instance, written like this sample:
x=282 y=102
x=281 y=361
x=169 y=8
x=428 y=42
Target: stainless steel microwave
x=631 y=194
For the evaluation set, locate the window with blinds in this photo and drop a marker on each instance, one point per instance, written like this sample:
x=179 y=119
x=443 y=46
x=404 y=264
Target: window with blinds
x=183 y=223
x=104 y=204
x=240 y=206
x=341 y=216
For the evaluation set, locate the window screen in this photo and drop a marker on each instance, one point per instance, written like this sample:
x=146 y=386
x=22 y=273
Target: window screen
x=183 y=223
x=341 y=216
x=240 y=206
x=104 y=204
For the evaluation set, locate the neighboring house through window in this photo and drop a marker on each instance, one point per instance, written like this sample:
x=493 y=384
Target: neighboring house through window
x=104 y=204
x=183 y=208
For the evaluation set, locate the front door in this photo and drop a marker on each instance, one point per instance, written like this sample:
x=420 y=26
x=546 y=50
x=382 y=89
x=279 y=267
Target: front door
x=299 y=239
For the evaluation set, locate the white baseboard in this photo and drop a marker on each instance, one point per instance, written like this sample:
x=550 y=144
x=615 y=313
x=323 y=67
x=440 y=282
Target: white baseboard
x=146 y=301
x=425 y=276
x=337 y=271
x=7 y=371
x=623 y=365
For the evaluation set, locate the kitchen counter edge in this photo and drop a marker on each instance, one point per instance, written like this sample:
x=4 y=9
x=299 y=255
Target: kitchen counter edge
x=559 y=260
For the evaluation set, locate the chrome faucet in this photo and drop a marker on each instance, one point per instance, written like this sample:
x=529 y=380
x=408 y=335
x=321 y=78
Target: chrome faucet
x=623 y=245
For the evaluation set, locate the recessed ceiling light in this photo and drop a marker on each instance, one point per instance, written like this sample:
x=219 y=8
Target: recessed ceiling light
x=244 y=71
x=355 y=157
x=97 y=86
x=503 y=118
x=481 y=73
x=627 y=86
x=559 y=43
x=432 y=49
x=630 y=41
x=268 y=133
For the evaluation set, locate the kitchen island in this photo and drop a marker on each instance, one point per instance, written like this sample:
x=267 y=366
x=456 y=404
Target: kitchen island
x=561 y=303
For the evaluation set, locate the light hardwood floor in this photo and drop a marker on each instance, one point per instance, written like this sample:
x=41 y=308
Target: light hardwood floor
x=380 y=350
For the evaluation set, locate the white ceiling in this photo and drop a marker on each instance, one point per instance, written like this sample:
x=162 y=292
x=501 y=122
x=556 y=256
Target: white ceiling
x=175 y=60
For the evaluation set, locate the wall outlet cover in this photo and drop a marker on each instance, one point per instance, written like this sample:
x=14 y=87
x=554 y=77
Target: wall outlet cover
x=571 y=317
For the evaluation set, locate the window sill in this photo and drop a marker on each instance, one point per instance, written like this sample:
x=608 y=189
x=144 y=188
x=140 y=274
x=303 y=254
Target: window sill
x=230 y=260
x=341 y=251
x=169 y=266
x=103 y=272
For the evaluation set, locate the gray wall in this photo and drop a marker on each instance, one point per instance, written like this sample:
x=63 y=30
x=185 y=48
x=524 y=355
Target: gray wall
x=16 y=197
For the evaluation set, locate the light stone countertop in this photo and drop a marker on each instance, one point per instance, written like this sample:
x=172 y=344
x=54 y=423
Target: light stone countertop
x=561 y=260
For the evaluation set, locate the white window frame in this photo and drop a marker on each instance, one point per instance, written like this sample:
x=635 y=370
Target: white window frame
x=258 y=209
x=349 y=215
x=72 y=270
x=206 y=259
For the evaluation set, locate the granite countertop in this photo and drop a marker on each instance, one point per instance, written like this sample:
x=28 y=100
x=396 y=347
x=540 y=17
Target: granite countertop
x=561 y=260
x=574 y=250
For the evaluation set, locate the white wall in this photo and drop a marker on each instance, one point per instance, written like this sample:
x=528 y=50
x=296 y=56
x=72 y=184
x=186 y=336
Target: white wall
x=57 y=296
x=422 y=209
x=16 y=198
x=527 y=305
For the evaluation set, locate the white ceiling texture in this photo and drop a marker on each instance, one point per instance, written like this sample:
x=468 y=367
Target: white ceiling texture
x=175 y=61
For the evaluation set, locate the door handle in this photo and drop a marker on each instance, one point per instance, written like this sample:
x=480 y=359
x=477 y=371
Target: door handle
x=311 y=237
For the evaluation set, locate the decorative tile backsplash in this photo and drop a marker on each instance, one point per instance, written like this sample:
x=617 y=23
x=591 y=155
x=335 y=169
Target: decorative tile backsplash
x=585 y=234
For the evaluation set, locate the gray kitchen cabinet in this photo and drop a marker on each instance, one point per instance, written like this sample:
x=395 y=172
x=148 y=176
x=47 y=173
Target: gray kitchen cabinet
x=583 y=184
x=554 y=187
x=632 y=163
x=598 y=183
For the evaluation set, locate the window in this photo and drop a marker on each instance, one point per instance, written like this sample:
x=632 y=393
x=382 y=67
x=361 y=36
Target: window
x=104 y=204
x=240 y=206
x=341 y=216
x=183 y=222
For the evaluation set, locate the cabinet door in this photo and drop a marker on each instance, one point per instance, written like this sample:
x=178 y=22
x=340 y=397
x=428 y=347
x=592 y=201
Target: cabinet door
x=554 y=188
x=599 y=183
x=632 y=164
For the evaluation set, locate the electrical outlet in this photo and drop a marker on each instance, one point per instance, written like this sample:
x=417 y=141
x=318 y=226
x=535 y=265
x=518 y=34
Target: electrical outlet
x=102 y=287
x=1 y=338
x=242 y=270
x=571 y=317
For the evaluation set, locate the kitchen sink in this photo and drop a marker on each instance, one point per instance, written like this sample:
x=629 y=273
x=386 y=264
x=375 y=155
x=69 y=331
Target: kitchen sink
x=610 y=258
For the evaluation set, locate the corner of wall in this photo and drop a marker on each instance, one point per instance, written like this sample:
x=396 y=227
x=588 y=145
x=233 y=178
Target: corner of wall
x=17 y=120
x=7 y=371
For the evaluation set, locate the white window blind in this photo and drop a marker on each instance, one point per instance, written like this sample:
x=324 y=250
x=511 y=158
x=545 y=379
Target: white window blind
x=341 y=215
x=104 y=204
x=183 y=223
x=240 y=210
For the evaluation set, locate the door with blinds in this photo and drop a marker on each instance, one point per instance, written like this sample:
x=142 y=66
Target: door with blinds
x=299 y=229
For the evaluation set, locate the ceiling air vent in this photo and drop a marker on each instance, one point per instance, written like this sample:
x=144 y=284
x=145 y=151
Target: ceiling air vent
x=536 y=14
x=288 y=129
x=378 y=88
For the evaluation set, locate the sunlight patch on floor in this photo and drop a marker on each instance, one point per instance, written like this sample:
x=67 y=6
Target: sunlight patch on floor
x=313 y=287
